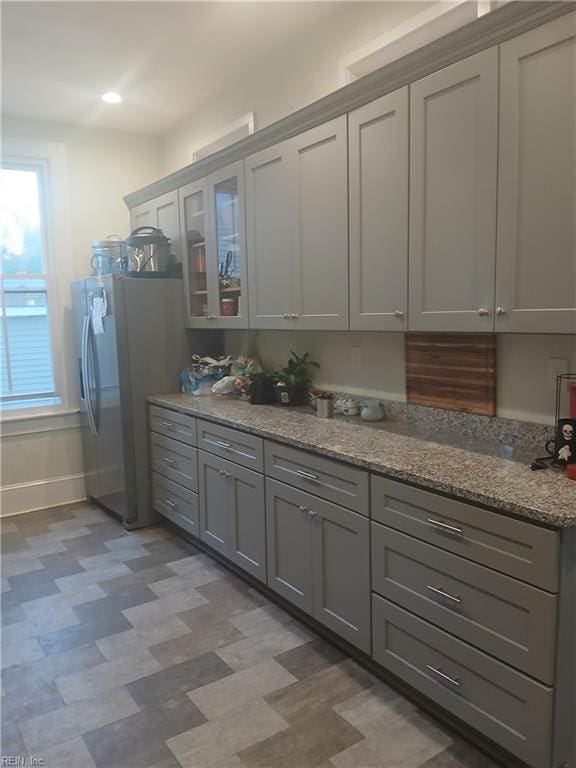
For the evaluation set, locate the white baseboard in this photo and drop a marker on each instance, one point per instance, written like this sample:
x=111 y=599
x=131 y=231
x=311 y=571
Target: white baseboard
x=41 y=494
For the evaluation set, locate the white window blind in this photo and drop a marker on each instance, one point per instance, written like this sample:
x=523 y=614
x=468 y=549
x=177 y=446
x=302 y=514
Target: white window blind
x=27 y=369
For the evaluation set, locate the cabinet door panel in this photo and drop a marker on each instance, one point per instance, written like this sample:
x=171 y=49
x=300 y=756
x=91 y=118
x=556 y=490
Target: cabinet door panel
x=168 y=219
x=270 y=229
x=160 y=212
x=226 y=246
x=143 y=215
x=248 y=522
x=198 y=278
x=378 y=143
x=536 y=266
x=215 y=502
x=341 y=571
x=321 y=231
x=453 y=156
x=289 y=548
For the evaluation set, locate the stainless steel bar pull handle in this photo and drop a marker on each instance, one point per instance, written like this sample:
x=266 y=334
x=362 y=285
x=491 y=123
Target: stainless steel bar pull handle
x=307 y=475
x=443 y=676
x=222 y=444
x=442 y=593
x=445 y=527
x=168 y=460
x=171 y=503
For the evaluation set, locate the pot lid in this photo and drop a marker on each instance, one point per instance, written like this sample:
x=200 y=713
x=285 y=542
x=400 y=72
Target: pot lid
x=147 y=236
x=112 y=241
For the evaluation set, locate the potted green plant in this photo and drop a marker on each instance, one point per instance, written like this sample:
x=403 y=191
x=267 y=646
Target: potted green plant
x=291 y=382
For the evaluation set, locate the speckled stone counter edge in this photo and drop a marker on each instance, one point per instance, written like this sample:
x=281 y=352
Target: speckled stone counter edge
x=553 y=501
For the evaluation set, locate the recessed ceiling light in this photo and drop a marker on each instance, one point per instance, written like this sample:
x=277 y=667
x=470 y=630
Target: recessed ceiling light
x=111 y=98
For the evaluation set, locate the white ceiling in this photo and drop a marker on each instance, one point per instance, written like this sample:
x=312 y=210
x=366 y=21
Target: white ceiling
x=163 y=57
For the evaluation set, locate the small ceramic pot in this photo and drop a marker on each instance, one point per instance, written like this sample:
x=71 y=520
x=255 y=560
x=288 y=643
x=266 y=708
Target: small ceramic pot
x=372 y=412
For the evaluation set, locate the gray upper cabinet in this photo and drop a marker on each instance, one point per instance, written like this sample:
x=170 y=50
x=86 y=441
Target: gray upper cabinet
x=297 y=233
x=213 y=235
x=453 y=164
x=378 y=193
x=536 y=261
x=320 y=234
x=161 y=212
x=269 y=227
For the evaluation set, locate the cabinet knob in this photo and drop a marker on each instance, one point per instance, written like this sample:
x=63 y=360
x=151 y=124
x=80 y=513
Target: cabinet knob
x=293 y=316
x=501 y=311
x=302 y=508
x=398 y=313
x=223 y=473
x=312 y=513
x=286 y=316
x=483 y=312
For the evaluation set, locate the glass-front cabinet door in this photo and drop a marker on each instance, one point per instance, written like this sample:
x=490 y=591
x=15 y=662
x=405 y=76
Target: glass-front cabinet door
x=194 y=223
x=213 y=223
x=227 y=246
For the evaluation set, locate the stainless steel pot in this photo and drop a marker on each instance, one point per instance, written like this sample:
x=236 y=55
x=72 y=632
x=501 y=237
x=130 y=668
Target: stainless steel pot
x=148 y=250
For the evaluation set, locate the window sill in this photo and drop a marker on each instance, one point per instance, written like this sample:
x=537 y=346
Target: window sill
x=29 y=421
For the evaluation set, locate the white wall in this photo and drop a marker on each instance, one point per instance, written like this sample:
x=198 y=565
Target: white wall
x=372 y=365
x=302 y=72
x=97 y=167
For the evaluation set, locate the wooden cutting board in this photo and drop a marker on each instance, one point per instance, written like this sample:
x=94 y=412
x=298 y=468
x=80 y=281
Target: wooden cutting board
x=452 y=370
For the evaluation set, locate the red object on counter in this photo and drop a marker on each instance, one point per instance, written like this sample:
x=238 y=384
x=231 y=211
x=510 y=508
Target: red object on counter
x=571 y=471
x=573 y=401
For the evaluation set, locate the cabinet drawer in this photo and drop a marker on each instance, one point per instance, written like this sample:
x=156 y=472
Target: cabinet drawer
x=176 y=503
x=176 y=461
x=326 y=478
x=520 y=549
x=510 y=620
x=504 y=705
x=173 y=424
x=231 y=444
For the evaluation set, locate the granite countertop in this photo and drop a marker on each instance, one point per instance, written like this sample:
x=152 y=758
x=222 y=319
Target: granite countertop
x=433 y=461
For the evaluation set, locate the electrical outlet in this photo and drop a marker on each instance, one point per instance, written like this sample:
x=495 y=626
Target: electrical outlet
x=554 y=367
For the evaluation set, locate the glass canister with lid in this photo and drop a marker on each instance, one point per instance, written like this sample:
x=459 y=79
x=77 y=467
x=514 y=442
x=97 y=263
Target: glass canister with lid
x=109 y=255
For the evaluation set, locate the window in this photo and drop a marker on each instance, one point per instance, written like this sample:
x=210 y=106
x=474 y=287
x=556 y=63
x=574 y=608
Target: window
x=27 y=369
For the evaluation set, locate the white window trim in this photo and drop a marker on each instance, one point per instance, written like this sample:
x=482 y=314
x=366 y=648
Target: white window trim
x=51 y=157
x=245 y=120
x=434 y=22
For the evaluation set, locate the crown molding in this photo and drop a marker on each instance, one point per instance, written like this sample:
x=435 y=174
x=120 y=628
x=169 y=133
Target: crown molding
x=508 y=21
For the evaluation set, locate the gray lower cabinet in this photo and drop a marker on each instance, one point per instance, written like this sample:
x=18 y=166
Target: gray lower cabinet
x=505 y=705
x=519 y=549
x=172 y=424
x=344 y=485
x=289 y=544
x=318 y=559
x=175 y=460
x=173 y=501
x=232 y=519
x=515 y=622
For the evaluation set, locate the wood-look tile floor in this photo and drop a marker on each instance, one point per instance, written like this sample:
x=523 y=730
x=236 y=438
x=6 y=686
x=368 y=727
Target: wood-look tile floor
x=124 y=650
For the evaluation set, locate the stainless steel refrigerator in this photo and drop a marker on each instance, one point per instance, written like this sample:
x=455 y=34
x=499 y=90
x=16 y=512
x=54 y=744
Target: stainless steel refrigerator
x=130 y=343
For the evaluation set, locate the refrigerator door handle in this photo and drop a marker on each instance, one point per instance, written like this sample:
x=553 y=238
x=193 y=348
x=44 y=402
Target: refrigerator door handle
x=85 y=341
